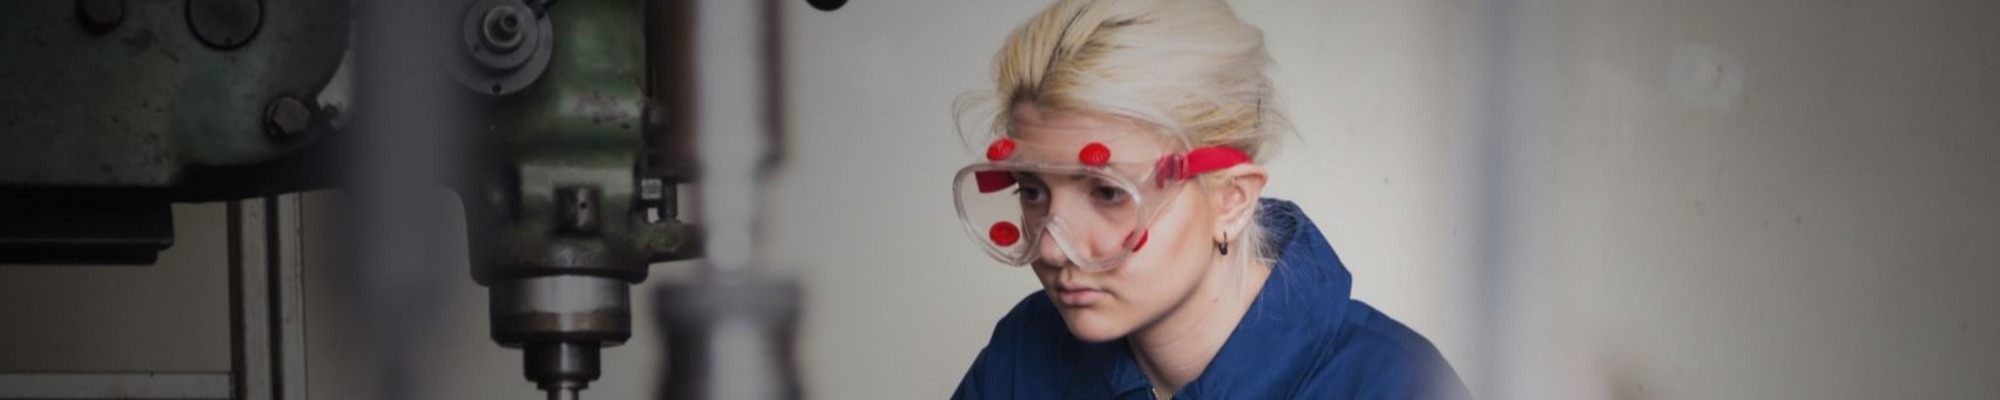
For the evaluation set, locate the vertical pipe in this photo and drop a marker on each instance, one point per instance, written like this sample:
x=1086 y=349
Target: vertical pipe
x=408 y=136
x=731 y=331
x=1512 y=53
x=734 y=125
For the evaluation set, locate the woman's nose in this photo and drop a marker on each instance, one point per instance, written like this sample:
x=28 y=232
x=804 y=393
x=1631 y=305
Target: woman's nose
x=1048 y=253
x=1059 y=244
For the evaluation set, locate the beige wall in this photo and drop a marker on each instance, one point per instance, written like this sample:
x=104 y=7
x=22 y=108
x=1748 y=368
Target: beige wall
x=1769 y=199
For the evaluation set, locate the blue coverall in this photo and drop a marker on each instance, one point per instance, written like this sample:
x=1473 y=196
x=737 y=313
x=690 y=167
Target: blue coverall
x=1303 y=338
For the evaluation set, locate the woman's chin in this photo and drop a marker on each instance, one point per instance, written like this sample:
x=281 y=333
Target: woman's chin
x=1091 y=326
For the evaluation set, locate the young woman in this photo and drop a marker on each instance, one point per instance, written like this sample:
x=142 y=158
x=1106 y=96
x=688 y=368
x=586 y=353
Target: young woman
x=1123 y=168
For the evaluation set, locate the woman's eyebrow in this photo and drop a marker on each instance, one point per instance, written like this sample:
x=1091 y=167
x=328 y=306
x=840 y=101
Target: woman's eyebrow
x=1037 y=177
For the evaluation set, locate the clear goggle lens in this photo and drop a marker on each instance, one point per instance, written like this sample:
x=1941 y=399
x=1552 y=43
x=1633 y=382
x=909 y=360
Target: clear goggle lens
x=1029 y=204
x=1093 y=216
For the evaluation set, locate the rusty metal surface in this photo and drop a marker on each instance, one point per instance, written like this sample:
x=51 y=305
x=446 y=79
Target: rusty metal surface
x=137 y=105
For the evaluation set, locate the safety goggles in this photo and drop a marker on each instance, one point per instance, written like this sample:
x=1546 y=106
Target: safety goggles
x=1092 y=206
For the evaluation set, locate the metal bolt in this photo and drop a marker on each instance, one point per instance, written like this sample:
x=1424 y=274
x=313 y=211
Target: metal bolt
x=287 y=118
x=100 y=16
x=225 y=24
x=503 y=27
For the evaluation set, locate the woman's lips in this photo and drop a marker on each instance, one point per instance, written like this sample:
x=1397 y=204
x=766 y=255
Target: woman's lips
x=1079 y=297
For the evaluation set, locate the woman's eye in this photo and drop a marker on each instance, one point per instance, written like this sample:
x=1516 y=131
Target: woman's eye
x=1031 y=194
x=1108 y=194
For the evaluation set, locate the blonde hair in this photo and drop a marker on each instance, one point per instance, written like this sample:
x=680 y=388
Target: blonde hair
x=1189 y=67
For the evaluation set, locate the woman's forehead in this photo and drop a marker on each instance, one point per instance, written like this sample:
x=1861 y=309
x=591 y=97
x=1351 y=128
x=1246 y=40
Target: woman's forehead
x=1058 y=135
x=1030 y=115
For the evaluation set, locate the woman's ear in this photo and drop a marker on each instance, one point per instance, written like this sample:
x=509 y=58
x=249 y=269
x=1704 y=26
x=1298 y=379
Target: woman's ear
x=1236 y=199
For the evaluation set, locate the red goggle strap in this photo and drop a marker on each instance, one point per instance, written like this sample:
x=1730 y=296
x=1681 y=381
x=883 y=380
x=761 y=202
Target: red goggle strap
x=1173 y=168
x=1205 y=160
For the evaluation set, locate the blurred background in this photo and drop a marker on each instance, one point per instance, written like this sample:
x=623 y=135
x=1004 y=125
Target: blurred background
x=1644 y=199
